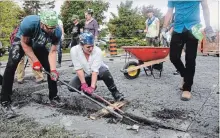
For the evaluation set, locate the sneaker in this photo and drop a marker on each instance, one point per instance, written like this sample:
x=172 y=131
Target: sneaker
x=56 y=102
x=118 y=96
x=71 y=65
x=58 y=65
x=186 y=96
x=7 y=110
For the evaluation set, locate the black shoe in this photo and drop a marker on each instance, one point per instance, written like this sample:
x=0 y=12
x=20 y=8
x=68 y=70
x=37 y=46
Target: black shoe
x=176 y=73
x=118 y=96
x=56 y=102
x=71 y=65
x=7 y=110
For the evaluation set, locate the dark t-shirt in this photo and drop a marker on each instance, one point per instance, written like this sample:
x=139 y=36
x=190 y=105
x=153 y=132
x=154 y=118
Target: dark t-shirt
x=30 y=27
x=76 y=30
x=75 y=34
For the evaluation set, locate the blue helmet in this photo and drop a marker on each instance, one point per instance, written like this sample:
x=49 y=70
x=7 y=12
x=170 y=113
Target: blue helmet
x=86 y=38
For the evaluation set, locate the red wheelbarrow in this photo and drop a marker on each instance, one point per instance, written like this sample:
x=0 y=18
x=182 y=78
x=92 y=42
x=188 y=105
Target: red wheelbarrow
x=149 y=58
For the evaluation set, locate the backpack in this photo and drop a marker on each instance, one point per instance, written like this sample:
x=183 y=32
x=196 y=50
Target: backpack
x=13 y=34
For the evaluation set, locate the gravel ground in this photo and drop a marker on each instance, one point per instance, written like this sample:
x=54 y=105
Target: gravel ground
x=155 y=99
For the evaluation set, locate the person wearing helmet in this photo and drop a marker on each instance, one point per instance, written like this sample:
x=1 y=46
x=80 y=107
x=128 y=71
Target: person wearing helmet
x=91 y=24
x=89 y=66
x=31 y=39
x=75 y=32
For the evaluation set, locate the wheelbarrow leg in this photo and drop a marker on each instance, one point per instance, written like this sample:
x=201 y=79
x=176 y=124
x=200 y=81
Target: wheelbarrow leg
x=147 y=69
x=159 y=71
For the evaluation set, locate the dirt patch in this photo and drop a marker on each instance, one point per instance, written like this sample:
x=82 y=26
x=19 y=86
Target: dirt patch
x=20 y=99
x=76 y=110
x=171 y=114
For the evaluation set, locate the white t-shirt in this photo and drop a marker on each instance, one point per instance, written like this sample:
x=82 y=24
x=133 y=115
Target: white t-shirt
x=80 y=62
x=152 y=28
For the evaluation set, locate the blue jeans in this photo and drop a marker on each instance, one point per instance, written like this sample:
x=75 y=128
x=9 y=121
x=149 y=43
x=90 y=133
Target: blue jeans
x=59 y=51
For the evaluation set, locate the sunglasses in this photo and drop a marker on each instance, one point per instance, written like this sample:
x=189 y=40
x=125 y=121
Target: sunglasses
x=50 y=28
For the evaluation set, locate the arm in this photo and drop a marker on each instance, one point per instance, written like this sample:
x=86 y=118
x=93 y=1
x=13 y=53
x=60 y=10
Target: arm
x=95 y=68
x=81 y=75
x=168 y=17
x=52 y=57
x=146 y=27
x=77 y=65
x=28 y=49
x=206 y=13
x=210 y=34
x=158 y=27
x=94 y=79
x=171 y=30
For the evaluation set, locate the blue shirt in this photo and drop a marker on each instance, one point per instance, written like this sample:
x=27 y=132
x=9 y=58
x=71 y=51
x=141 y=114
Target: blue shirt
x=30 y=27
x=187 y=14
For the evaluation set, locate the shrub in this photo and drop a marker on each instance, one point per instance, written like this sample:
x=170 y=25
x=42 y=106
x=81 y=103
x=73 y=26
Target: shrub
x=130 y=42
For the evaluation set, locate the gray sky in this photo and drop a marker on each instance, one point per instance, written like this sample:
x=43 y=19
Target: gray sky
x=161 y=4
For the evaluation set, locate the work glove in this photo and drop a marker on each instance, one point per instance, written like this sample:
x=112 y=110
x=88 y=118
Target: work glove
x=54 y=75
x=89 y=90
x=37 y=66
x=210 y=34
x=163 y=32
x=84 y=86
x=168 y=37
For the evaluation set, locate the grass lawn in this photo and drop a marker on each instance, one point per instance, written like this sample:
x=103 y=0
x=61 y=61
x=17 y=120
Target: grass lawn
x=67 y=50
x=4 y=57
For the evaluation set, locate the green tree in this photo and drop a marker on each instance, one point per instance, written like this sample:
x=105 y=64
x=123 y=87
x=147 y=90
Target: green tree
x=127 y=21
x=34 y=7
x=10 y=14
x=79 y=7
x=103 y=32
x=157 y=12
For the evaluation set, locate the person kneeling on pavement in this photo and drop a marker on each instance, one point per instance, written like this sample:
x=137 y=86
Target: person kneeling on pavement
x=89 y=66
x=31 y=39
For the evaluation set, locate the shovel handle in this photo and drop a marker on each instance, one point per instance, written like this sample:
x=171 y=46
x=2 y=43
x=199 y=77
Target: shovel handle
x=119 y=116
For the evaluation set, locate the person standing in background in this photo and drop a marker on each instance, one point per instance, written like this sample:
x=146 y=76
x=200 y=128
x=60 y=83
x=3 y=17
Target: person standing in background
x=59 y=47
x=75 y=32
x=91 y=24
x=152 y=28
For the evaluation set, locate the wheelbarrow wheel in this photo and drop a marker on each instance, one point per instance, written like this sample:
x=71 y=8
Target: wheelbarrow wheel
x=132 y=74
